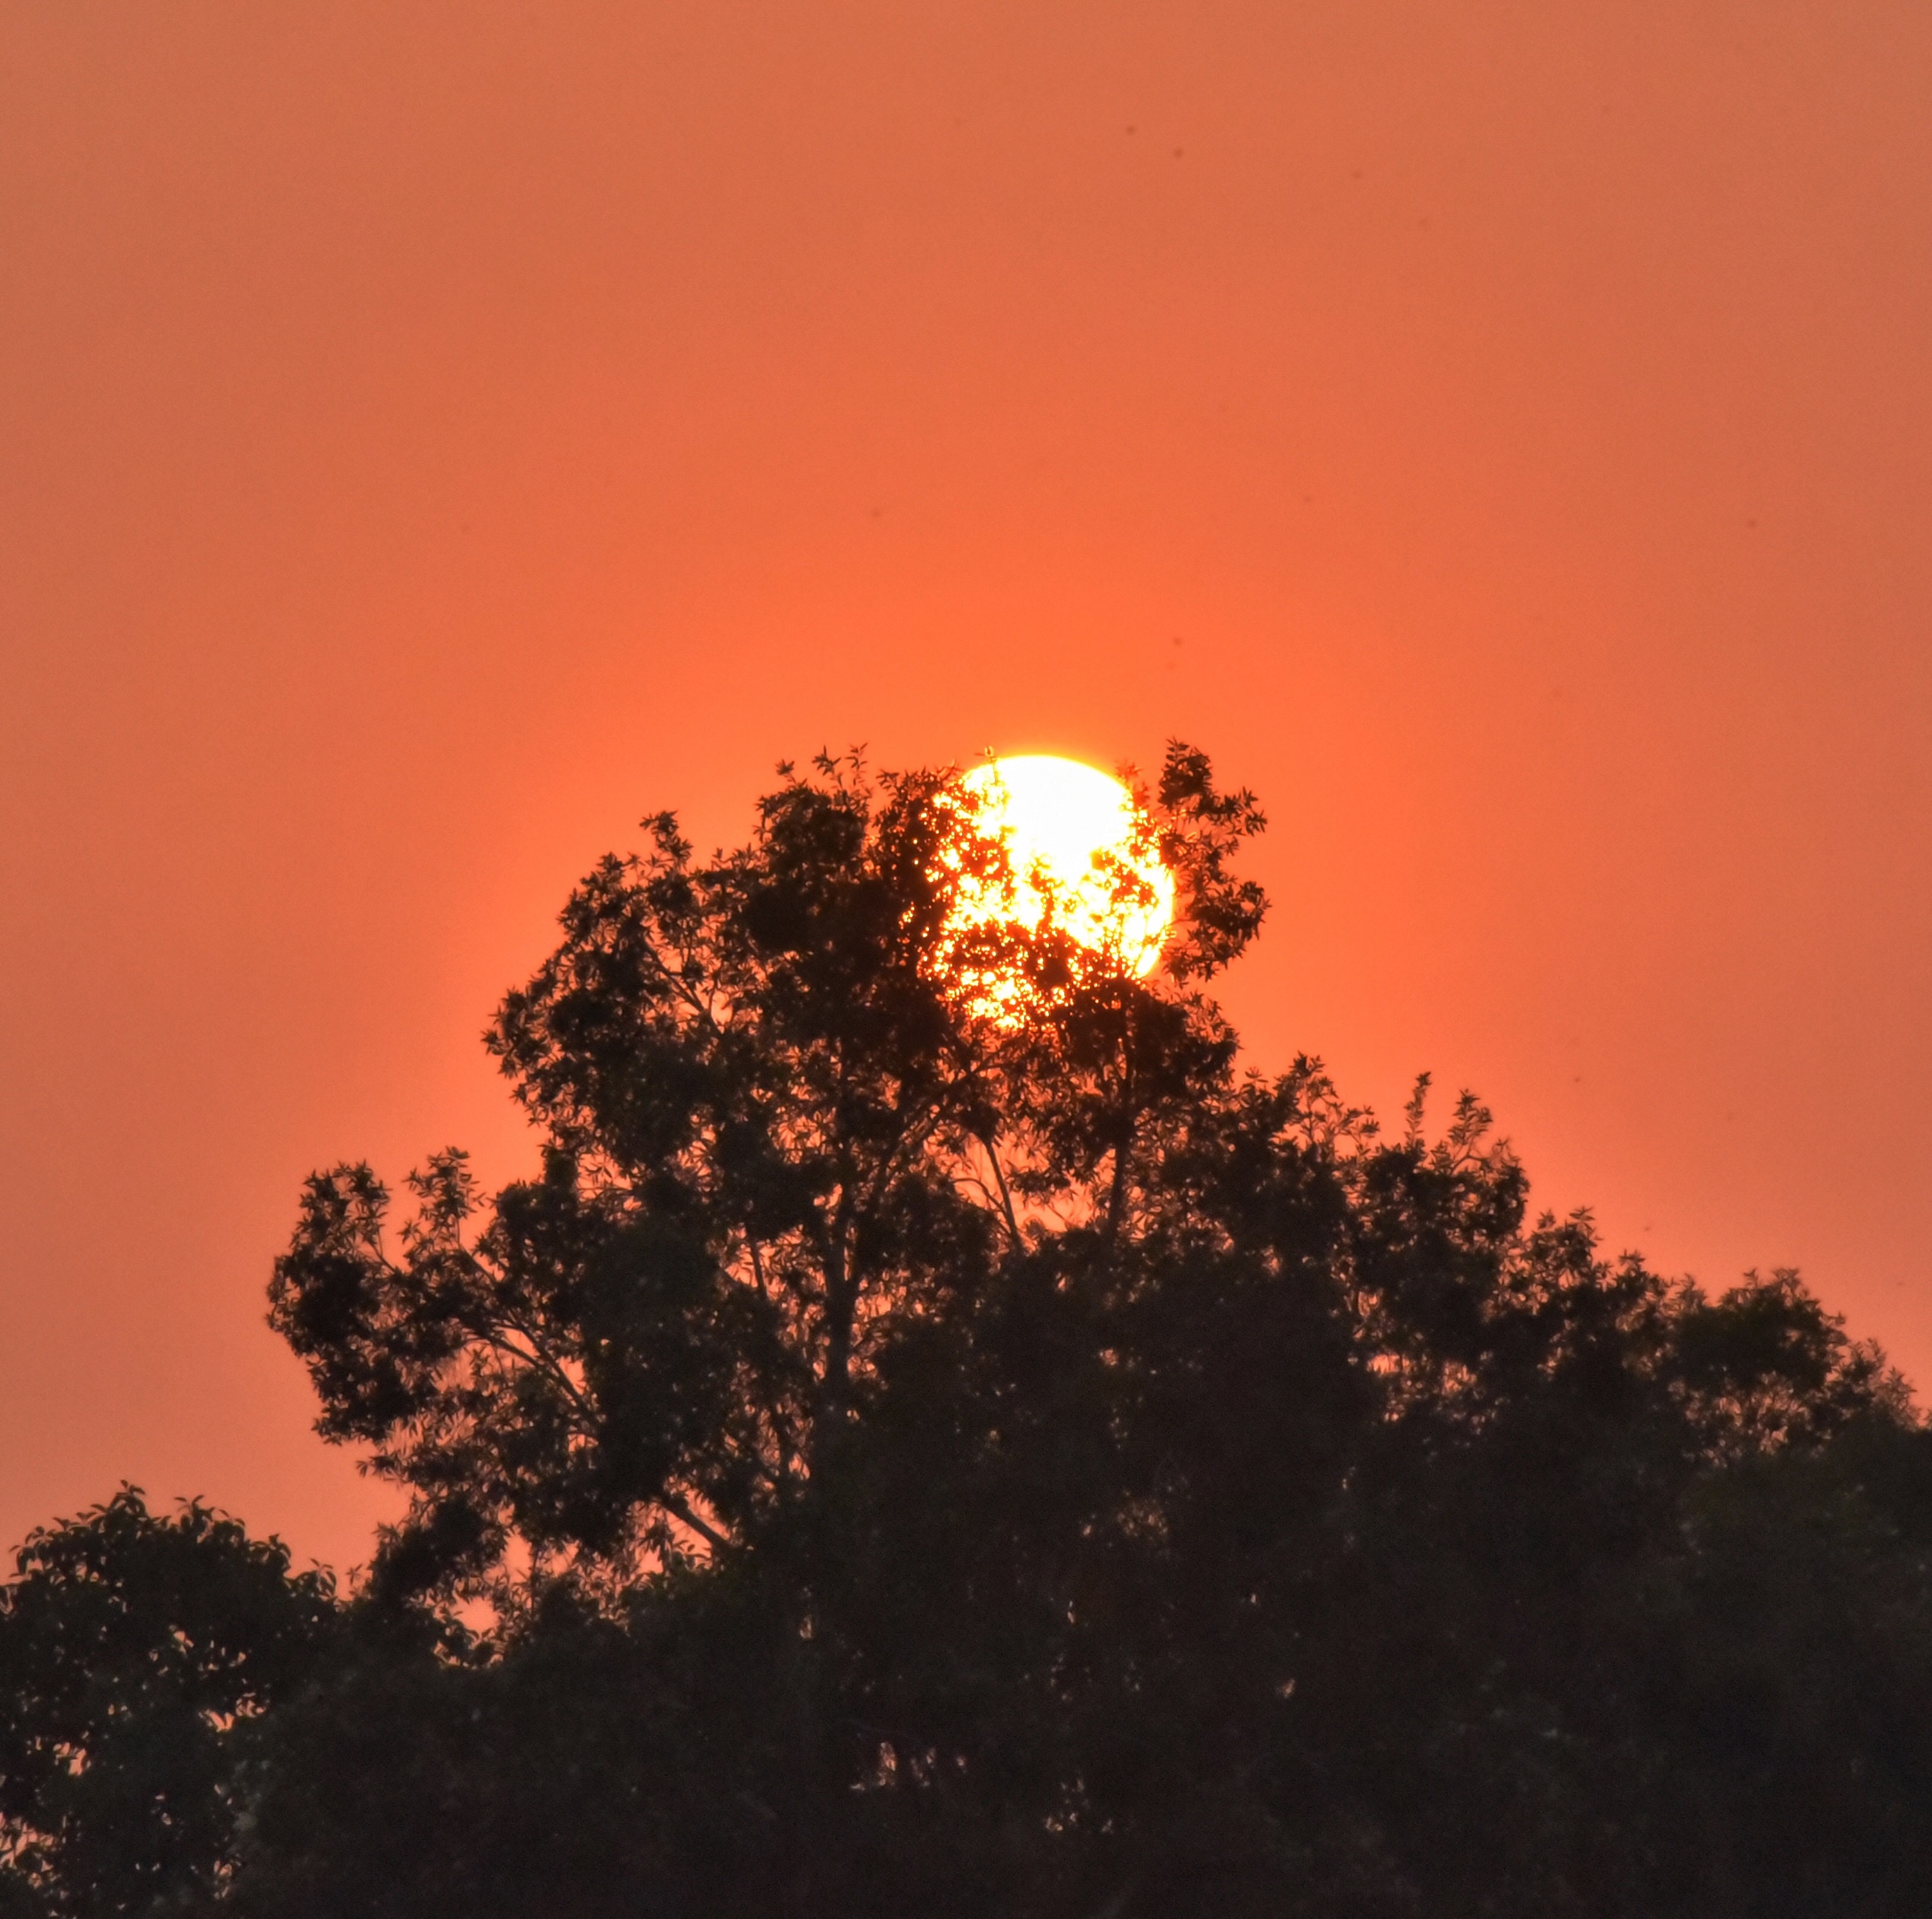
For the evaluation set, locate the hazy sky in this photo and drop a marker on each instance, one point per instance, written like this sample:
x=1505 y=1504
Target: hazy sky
x=432 y=436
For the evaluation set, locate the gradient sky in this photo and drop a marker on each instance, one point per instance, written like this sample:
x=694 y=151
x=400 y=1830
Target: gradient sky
x=432 y=436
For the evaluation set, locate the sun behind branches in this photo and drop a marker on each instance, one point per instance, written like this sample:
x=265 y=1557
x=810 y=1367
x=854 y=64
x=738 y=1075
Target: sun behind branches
x=1048 y=847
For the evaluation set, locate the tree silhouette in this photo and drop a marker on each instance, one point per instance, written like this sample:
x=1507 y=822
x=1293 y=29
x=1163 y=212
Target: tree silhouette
x=775 y=1144
x=132 y=1650
x=907 y=1451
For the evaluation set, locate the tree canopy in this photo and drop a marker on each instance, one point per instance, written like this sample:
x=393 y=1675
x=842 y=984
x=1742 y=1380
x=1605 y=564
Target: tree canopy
x=133 y=1648
x=899 y=1453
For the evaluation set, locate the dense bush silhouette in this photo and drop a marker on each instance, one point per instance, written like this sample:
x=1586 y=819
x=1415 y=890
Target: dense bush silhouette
x=135 y=1654
x=889 y=1461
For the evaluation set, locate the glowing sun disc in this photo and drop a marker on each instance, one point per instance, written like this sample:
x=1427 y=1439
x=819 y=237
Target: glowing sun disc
x=1081 y=854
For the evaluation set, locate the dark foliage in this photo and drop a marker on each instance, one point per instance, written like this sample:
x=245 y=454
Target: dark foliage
x=890 y=1459
x=133 y=1650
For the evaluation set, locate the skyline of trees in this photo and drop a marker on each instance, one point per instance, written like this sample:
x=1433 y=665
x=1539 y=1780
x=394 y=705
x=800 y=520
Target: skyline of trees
x=894 y=1458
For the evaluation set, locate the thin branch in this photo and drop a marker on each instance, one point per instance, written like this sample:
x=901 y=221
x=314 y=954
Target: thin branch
x=680 y=1507
x=781 y=1430
x=538 y=1360
x=1005 y=1196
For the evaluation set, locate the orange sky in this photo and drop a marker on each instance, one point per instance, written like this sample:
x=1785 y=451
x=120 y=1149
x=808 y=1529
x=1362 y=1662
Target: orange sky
x=432 y=435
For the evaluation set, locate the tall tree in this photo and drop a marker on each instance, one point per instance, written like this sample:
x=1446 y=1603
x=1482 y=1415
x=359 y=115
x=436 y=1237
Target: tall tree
x=774 y=1141
x=973 y=1457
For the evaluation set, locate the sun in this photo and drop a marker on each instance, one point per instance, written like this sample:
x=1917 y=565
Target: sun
x=1080 y=858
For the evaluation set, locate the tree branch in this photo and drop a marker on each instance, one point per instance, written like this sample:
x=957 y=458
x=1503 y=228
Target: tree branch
x=999 y=1178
